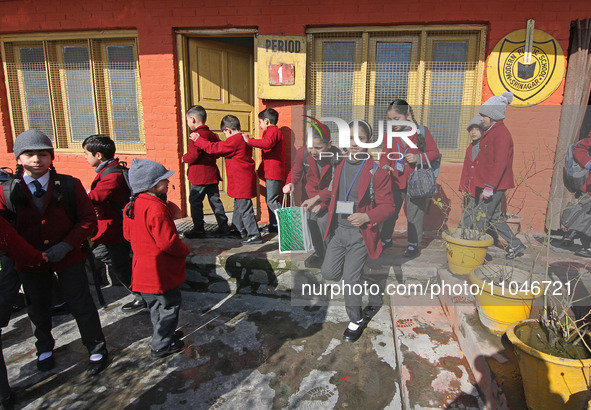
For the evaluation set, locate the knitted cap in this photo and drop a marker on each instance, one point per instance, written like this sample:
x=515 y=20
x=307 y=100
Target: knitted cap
x=475 y=122
x=32 y=140
x=495 y=106
x=145 y=174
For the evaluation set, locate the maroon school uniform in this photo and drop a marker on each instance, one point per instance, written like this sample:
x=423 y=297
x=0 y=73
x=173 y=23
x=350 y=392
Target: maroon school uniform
x=581 y=155
x=239 y=164
x=203 y=169
x=399 y=180
x=494 y=163
x=53 y=226
x=273 y=146
x=16 y=248
x=106 y=194
x=467 y=183
x=158 y=253
x=378 y=211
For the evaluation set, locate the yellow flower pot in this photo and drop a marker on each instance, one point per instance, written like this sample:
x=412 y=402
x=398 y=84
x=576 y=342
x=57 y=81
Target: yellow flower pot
x=463 y=255
x=550 y=382
x=500 y=305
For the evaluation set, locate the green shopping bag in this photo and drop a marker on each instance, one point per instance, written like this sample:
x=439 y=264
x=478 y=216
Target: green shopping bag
x=294 y=235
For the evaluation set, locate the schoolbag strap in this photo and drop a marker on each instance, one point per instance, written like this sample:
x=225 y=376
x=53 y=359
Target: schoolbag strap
x=64 y=185
x=372 y=194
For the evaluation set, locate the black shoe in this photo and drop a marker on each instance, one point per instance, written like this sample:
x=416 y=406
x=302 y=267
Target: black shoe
x=177 y=335
x=252 y=240
x=46 y=364
x=222 y=233
x=370 y=311
x=412 y=252
x=387 y=244
x=60 y=310
x=273 y=229
x=352 y=335
x=566 y=242
x=314 y=261
x=133 y=306
x=194 y=234
x=512 y=253
x=174 y=347
x=95 y=368
x=8 y=403
x=585 y=253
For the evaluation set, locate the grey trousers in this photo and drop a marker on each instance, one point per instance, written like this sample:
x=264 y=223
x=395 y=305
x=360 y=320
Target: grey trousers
x=74 y=288
x=164 y=313
x=273 y=198
x=493 y=223
x=344 y=260
x=9 y=285
x=196 y=197
x=317 y=225
x=118 y=257
x=243 y=217
x=415 y=214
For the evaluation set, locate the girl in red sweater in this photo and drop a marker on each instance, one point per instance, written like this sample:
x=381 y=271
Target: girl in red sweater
x=158 y=252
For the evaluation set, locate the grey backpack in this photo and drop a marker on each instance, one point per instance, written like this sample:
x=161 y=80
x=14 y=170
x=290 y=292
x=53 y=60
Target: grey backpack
x=574 y=175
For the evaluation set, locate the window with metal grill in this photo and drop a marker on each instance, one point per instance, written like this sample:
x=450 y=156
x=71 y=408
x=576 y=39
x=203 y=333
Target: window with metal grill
x=71 y=88
x=354 y=73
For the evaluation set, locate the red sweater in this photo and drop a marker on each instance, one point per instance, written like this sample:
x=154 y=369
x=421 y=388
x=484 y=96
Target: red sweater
x=399 y=180
x=378 y=212
x=494 y=163
x=112 y=188
x=239 y=164
x=16 y=247
x=273 y=146
x=53 y=226
x=203 y=169
x=581 y=154
x=467 y=183
x=158 y=253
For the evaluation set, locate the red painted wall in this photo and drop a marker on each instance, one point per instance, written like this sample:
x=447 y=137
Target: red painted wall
x=534 y=129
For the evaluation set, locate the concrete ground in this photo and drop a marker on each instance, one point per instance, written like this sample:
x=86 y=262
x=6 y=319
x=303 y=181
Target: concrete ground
x=252 y=341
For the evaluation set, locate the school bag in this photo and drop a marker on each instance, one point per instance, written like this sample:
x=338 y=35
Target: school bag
x=573 y=174
x=121 y=168
x=435 y=164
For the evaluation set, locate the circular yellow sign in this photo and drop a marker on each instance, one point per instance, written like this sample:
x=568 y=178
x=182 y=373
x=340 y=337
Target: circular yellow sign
x=530 y=83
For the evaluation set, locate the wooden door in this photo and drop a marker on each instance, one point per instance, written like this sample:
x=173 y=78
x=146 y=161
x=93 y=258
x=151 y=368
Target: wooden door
x=222 y=81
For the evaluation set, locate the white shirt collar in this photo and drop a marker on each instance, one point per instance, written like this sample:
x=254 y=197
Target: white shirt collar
x=43 y=180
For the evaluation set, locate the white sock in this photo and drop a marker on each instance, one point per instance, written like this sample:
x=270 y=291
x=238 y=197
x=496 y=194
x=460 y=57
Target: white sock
x=96 y=357
x=354 y=326
x=45 y=355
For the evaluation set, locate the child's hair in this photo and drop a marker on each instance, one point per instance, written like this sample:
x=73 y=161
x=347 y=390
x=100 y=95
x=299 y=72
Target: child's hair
x=402 y=107
x=270 y=114
x=363 y=125
x=100 y=143
x=230 y=121
x=321 y=132
x=198 y=112
x=129 y=210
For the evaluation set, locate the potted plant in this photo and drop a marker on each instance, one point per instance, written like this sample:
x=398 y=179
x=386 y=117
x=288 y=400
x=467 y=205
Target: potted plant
x=506 y=294
x=466 y=247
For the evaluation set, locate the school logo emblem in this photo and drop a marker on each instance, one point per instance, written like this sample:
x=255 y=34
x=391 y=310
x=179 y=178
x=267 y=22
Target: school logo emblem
x=530 y=83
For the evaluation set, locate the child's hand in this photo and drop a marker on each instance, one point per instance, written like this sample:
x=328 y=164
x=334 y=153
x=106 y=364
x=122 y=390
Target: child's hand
x=45 y=257
x=287 y=188
x=358 y=219
x=310 y=203
x=388 y=168
x=245 y=137
x=194 y=135
x=411 y=158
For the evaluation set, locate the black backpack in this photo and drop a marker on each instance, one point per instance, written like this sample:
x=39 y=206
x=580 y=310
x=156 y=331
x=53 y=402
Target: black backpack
x=121 y=168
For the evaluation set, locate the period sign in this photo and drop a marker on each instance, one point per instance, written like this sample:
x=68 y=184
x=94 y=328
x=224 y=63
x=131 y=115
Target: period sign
x=281 y=68
x=532 y=82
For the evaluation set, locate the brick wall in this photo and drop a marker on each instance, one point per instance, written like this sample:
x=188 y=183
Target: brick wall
x=156 y=20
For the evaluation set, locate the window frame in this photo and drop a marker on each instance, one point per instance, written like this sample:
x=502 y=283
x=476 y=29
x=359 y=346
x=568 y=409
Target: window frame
x=52 y=45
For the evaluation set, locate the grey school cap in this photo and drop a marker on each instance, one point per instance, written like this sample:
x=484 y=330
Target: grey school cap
x=475 y=122
x=145 y=174
x=32 y=140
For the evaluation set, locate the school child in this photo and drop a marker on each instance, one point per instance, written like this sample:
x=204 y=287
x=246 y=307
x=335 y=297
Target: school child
x=272 y=169
x=109 y=194
x=204 y=176
x=581 y=155
x=359 y=199
x=13 y=247
x=400 y=170
x=312 y=173
x=467 y=183
x=54 y=214
x=241 y=175
x=493 y=170
x=158 y=253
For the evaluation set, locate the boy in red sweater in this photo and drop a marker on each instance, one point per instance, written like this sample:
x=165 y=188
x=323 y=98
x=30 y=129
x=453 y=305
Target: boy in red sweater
x=204 y=177
x=158 y=253
x=272 y=168
x=109 y=194
x=241 y=175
